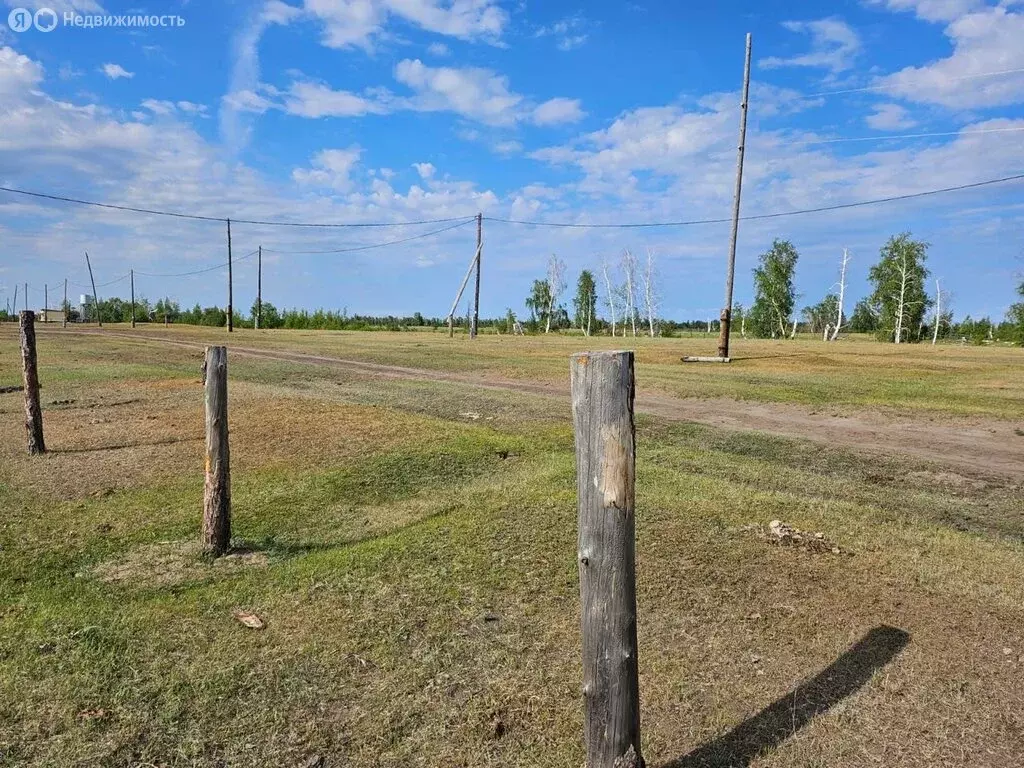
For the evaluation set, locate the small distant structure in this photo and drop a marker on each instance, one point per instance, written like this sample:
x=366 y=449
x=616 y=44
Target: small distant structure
x=50 y=316
x=517 y=329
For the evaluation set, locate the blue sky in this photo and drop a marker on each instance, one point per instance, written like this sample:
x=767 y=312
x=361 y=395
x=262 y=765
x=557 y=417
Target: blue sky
x=404 y=110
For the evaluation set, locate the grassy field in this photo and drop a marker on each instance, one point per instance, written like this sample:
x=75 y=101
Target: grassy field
x=410 y=544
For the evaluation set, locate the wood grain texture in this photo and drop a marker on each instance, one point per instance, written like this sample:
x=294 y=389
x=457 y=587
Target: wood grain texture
x=602 y=404
x=33 y=410
x=217 y=491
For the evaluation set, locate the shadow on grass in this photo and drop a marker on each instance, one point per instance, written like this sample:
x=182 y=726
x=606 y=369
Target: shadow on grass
x=784 y=717
x=124 y=446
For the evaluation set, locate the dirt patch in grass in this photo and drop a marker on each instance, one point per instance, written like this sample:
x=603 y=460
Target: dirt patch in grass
x=168 y=563
x=971 y=444
x=115 y=443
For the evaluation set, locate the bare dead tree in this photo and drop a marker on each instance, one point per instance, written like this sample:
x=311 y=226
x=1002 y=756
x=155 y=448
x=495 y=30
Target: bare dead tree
x=610 y=292
x=629 y=271
x=939 y=295
x=842 y=295
x=650 y=291
x=556 y=284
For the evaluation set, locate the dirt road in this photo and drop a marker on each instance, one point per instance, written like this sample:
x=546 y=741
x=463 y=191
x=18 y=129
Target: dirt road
x=974 y=446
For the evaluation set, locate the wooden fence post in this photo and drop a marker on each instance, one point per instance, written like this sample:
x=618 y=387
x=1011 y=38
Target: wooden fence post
x=33 y=411
x=602 y=408
x=217 y=493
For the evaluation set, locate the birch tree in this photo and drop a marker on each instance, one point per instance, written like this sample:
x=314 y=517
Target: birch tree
x=938 y=310
x=774 y=293
x=629 y=272
x=1015 y=317
x=609 y=293
x=585 y=302
x=650 y=291
x=899 y=279
x=556 y=284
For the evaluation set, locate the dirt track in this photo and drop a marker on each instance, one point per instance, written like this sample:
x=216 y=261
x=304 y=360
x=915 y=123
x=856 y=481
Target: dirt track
x=975 y=446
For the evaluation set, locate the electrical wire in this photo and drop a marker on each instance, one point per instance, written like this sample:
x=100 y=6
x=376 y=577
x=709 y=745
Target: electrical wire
x=889 y=86
x=904 y=136
x=761 y=216
x=103 y=285
x=379 y=245
x=222 y=265
x=223 y=219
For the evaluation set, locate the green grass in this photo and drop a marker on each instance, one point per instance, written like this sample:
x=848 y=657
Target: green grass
x=416 y=570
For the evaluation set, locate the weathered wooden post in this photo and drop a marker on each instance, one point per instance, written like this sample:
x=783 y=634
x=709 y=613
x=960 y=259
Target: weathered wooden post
x=33 y=411
x=217 y=494
x=602 y=409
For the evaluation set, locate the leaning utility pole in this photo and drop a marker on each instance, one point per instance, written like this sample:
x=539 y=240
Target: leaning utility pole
x=479 y=252
x=231 y=310
x=726 y=317
x=259 y=288
x=95 y=298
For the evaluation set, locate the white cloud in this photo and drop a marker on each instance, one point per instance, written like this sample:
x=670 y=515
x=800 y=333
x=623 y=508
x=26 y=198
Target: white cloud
x=361 y=23
x=439 y=49
x=984 y=42
x=558 y=110
x=18 y=73
x=472 y=92
x=158 y=107
x=509 y=147
x=567 y=31
x=834 y=46
x=425 y=170
x=306 y=99
x=889 y=117
x=478 y=94
x=191 y=108
x=932 y=10
x=242 y=96
x=165 y=108
x=572 y=42
x=330 y=168
x=115 y=71
x=60 y=6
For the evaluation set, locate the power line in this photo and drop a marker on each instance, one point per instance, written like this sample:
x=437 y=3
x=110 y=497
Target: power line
x=200 y=217
x=904 y=136
x=756 y=217
x=889 y=87
x=125 y=276
x=379 y=245
x=196 y=271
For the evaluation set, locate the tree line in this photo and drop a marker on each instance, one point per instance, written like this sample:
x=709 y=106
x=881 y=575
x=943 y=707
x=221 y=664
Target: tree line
x=903 y=307
x=900 y=309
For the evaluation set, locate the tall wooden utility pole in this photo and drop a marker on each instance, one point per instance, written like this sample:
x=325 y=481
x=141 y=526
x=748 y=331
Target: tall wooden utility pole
x=65 y=307
x=602 y=409
x=726 y=317
x=231 y=309
x=95 y=298
x=479 y=252
x=133 y=297
x=259 y=287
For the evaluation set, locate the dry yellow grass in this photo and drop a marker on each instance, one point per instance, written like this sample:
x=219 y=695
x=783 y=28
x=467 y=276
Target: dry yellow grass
x=416 y=571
